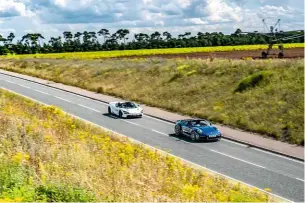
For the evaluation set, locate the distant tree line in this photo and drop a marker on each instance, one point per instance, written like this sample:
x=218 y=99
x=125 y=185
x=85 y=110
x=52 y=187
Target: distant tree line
x=103 y=40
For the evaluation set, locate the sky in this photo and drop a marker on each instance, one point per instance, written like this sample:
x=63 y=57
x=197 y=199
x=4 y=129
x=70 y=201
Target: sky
x=53 y=17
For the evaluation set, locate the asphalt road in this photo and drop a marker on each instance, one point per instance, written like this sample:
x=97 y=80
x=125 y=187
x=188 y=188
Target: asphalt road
x=258 y=168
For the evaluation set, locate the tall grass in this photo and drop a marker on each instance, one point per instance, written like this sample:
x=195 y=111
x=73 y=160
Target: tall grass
x=47 y=156
x=264 y=96
x=146 y=52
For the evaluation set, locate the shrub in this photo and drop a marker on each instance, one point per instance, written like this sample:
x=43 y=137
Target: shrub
x=62 y=193
x=252 y=81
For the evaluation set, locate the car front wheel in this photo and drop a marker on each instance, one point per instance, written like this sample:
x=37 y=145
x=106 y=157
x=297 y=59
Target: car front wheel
x=178 y=130
x=109 y=111
x=193 y=136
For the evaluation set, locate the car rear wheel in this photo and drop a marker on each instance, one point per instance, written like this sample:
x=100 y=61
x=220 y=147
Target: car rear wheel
x=178 y=130
x=120 y=114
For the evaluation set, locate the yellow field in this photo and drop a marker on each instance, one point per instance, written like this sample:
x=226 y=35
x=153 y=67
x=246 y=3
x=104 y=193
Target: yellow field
x=144 y=52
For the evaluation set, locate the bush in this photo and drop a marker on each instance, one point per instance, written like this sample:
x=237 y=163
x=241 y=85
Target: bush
x=252 y=81
x=16 y=184
x=52 y=193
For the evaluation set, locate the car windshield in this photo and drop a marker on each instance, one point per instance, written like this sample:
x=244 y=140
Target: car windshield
x=128 y=105
x=199 y=123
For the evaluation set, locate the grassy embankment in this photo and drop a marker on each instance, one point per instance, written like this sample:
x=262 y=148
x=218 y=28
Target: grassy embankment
x=260 y=96
x=145 y=52
x=47 y=155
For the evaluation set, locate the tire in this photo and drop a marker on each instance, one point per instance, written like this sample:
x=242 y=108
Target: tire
x=109 y=111
x=178 y=130
x=120 y=114
x=193 y=136
x=281 y=55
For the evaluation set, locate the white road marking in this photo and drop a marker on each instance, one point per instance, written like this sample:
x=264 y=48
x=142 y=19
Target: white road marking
x=300 y=179
x=297 y=161
x=146 y=128
x=243 y=145
x=9 y=81
x=25 y=96
x=24 y=86
x=158 y=120
x=136 y=141
x=160 y=132
x=237 y=159
x=88 y=108
x=63 y=99
x=41 y=92
x=132 y=123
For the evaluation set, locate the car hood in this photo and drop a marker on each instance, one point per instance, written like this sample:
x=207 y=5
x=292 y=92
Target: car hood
x=134 y=110
x=208 y=130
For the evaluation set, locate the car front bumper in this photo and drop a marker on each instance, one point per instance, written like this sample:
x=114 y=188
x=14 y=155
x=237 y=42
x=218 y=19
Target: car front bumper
x=210 y=138
x=132 y=115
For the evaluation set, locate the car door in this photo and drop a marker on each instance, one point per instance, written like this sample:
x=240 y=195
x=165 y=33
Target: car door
x=186 y=128
x=116 y=108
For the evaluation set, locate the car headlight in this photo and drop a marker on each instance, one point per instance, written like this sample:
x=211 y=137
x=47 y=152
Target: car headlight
x=126 y=112
x=199 y=131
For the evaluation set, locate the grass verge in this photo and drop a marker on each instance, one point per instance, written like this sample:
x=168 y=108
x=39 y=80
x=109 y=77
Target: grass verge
x=49 y=156
x=264 y=96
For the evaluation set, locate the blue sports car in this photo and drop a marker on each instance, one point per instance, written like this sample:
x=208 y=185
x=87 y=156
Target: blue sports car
x=197 y=129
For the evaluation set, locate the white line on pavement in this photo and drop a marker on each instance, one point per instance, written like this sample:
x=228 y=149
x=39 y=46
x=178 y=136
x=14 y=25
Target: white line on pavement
x=160 y=132
x=158 y=120
x=89 y=108
x=243 y=145
x=146 y=128
x=300 y=162
x=24 y=86
x=30 y=98
x=63 y=99
x=300 y=179
x=41 y=92
x=132 y=123
x=9 y=81
x=237 y=158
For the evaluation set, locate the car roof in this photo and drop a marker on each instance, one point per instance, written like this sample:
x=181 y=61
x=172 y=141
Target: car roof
x=126 y=102
x=194 y=120
x=122 y=102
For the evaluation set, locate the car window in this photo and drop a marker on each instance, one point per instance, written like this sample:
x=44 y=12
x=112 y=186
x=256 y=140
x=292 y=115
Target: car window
x=199 y=123
x=129 y=105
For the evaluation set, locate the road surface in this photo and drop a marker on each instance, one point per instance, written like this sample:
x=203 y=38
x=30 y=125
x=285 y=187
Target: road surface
x=258 y=168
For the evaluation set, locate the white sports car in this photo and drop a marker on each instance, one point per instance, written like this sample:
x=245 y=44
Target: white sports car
x=125 y=109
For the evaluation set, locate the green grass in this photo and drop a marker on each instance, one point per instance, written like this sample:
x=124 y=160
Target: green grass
x=48 y=156
x=264 y=96
x=147 y=52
